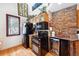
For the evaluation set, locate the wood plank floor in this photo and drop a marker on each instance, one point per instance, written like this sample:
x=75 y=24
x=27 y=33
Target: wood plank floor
x=19 y=51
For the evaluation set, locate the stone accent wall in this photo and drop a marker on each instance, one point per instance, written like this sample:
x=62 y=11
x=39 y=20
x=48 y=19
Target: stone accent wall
x=63 y=22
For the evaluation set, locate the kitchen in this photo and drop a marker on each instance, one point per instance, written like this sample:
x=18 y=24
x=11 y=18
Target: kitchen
x=52 y=30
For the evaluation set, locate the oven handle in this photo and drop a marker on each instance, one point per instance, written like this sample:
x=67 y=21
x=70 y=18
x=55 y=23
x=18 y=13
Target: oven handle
x=55 y=39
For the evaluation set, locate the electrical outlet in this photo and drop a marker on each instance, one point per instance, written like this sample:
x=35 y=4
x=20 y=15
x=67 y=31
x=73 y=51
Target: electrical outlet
x=0 y=42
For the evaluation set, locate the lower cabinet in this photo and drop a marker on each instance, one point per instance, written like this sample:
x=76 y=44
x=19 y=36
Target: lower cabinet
x=76 y=48
x=25 y=41
x=64 y=48
x=59 y=46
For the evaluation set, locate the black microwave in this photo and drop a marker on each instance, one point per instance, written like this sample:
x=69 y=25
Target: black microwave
x=41 y=26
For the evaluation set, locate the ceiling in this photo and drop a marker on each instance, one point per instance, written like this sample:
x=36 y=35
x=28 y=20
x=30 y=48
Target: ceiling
x=53 y=7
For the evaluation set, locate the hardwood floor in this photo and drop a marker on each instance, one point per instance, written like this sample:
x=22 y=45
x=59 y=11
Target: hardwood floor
x=19 y=51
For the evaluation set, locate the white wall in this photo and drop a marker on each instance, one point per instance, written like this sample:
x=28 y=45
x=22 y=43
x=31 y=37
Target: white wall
x=78 y=6
x=53 y=7
x=7 y=42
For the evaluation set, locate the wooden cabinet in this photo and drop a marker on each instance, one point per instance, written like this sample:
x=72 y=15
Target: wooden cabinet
x=76 y=48
x=65 y=47
x=39 y=18
x=78 y=18
x=77 y=13
x=45 y=15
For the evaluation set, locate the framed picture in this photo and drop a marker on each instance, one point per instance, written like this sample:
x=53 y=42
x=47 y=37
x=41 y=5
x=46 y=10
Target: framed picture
x=22 y=9
x=12 y=25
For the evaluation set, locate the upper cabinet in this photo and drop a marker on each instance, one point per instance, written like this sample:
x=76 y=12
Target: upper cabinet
x=44 y=17
x=39 y=18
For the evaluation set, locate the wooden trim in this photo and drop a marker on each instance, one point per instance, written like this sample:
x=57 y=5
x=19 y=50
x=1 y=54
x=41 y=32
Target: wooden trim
x=77 y=18
x=74 y=48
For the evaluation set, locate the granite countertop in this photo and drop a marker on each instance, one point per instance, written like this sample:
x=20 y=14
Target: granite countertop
x=66 y=38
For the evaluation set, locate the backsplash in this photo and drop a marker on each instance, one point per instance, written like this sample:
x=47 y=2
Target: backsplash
x=63 y=22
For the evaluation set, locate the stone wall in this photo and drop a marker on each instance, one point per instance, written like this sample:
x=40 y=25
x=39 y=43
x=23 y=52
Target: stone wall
x=63 y=22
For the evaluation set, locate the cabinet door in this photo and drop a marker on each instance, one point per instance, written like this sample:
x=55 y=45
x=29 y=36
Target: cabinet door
x=64 y=48
x=46 y=16
x=43 y=17
x=76 y=48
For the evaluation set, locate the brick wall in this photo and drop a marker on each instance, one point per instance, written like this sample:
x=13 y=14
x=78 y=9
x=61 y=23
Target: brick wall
x=63 y=22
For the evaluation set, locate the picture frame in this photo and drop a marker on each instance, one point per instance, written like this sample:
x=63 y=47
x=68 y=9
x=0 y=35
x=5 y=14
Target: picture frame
x=12 y=25
x=22 y=9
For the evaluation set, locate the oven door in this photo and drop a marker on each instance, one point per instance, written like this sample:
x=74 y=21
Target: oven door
x=36 y=40
x=36 y=48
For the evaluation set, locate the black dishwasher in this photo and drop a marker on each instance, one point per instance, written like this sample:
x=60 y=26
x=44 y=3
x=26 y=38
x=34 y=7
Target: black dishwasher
x=55 y=45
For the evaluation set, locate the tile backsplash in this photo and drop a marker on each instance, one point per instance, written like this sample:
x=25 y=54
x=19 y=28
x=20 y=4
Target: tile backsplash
x=63 y=22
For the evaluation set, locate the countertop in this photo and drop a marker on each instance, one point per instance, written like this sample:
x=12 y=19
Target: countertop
x=61 y=37
x=66 y=38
